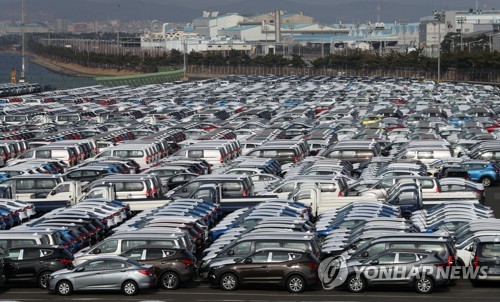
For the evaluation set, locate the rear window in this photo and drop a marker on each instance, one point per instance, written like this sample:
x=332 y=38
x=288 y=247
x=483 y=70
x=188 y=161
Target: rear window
x=195 y=153
x=33 y=184
x=129 y=186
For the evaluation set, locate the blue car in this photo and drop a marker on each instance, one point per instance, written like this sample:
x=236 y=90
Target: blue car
x=482 y=171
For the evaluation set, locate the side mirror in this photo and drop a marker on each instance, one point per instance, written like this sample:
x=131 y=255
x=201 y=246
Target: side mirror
x=184 y=190
x=96 y=251
x=247 y=260
x=79 y=269
x=470 y=248
x=230 y=252
x=374 y=262
x=279 y=190
x=364 y=254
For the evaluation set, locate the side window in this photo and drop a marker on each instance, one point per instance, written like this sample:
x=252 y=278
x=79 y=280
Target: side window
x=296 y=245
x=264 y=245
x=286 y=188
x=135 y=254
x=31 y=254
x=435 y=247
x=402 y=245
x=108 y=247
x=279 y=256
x=110 y=265
x=376 y=249
x=62 y=189
x=387 y=258
x=406 y=258
x=130 y=244
x=12 y=254
x=242 y=248
x=260 y=257
x=95 y=266
x=154 y=254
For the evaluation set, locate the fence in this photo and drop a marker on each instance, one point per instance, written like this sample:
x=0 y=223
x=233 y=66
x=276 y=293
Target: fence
x=451 y=75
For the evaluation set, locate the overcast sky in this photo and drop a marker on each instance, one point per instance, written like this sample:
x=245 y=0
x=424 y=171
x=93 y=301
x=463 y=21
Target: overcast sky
x=325 y=11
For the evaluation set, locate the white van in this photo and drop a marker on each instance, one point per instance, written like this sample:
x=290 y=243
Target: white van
x=144 y=155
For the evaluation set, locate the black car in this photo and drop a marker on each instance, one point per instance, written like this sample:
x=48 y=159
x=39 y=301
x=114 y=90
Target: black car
x=486 y=257
x=35 y=263
x=172 y=266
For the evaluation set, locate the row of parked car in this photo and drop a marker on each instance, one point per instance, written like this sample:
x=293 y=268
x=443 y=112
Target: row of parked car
x=254 y=179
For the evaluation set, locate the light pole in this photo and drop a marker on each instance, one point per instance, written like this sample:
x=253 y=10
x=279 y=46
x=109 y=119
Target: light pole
x=461 y=21
x=322 y=43
x=22 y=79
x=439 y=16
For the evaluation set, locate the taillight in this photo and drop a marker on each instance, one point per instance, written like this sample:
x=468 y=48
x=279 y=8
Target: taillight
x=74 y=240
x=475 y=263
x=187 y=262
x=147 y=159
x=313 y=266
x=295 y=159
x=84 y=237
x=65 y=244
x=244 y=193
x=496 y=171
x=29 y=207
x=91 y=232
x=450 y=260
x=148 y=194
x=221 y=159
x=438 y=190
x=340 y=194
x=145 y=272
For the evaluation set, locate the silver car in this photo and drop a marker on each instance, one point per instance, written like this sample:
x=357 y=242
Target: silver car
x=103 y=273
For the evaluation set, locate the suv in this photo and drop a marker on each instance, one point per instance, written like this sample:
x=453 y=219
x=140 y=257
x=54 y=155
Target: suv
x=172 y=266
x=482 y=171
x=486 y=253
x=293 y=268
x=35 y=263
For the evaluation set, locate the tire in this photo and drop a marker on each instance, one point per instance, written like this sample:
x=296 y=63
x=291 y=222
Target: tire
x=486 y=181
x=170 y=280
x=43 y=277
x=356 y=284
x=295 y=284
x=130 y=288
x=64 y=288
x=229 y=282
x=424 y=285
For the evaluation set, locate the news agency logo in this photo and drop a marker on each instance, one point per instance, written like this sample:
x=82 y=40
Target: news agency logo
x=334 y=272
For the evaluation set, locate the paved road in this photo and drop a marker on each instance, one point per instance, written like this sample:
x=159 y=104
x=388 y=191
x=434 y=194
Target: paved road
x=201 y=292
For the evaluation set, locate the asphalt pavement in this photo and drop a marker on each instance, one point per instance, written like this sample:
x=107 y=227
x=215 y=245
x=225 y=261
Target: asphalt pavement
x=200 y=291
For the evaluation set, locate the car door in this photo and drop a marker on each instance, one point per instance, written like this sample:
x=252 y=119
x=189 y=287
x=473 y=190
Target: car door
x=89 y=276
x=405 y=261
x=114 y=273
x=383 y=269
x=279 y=265
x=29 y=263
x=11 y=263
x=255 y=269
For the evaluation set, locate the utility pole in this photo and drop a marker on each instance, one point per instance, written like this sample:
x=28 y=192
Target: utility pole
x=22 y=79
x=439 y=16
x=461 y=21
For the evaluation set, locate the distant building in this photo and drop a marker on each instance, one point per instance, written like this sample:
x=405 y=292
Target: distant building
x=208 y=26
x=61 y=25
x=293 y=18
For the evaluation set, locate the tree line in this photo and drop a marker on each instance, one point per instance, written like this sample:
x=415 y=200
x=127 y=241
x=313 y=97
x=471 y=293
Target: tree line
x=353 y=59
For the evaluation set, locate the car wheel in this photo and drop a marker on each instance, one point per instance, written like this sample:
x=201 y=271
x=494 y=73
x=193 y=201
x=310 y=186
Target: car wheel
x=424 y=285
x=43 y=277
x=64 y=288
x=486 y=181
x=295 y=284
x=356 y=284
x=130 y=288
x=229 y=282
x=170 y=280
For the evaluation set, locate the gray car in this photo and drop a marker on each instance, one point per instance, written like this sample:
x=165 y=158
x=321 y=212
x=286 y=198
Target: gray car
x=103 y=273
x=414 y=268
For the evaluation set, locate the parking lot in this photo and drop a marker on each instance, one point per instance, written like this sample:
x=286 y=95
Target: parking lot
x=197 y=190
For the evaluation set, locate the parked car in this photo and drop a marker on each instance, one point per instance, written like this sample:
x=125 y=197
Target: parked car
x=172 y=266
x=103 y=273
x=35 y=263
x=295 y=269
